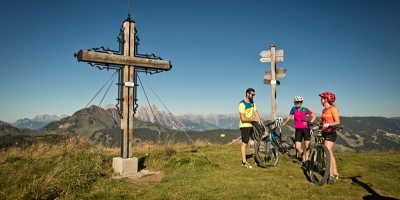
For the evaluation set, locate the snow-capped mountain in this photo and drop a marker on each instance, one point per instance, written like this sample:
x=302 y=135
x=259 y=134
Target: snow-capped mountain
x=1 y=122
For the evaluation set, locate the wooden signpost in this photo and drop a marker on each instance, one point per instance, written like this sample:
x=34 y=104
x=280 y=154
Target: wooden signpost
x=273 y=56
x=128 y=62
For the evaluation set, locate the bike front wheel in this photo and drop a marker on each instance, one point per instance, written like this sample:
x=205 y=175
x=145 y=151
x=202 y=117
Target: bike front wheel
x=319 y=164
x=292 y=152
x=266 y=153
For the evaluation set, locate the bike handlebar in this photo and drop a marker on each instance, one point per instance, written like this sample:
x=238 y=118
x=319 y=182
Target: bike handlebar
x=320 y=126
x=271 y=123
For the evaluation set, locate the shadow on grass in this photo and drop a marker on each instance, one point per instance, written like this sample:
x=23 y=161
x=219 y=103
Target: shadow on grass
x=305 y=172
x=141 y=163
x=374 y=195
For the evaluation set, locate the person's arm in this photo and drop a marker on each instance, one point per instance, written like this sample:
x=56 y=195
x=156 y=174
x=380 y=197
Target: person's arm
x=258 y=118
x=287 y=119
x=313 y=116
x=245 y=119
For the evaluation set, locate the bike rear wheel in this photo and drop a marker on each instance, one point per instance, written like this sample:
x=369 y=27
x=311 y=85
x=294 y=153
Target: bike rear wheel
x=319 y=164
x=266 y=153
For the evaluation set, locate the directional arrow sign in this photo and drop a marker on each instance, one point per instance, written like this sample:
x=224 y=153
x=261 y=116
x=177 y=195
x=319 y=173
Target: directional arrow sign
x=263 y=60
x=278 y=59
x=278 y=52
x=277 y=71
x=267 y=81
x=265 y=54
x=277 y=76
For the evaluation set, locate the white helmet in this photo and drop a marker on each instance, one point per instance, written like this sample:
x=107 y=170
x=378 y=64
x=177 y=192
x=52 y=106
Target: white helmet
x=278 y=122
x=298 y=98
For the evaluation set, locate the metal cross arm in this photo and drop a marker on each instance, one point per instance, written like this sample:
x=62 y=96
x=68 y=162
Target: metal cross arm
x=105 y=58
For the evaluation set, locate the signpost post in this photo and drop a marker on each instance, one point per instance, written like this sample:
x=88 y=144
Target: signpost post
x=273 y=56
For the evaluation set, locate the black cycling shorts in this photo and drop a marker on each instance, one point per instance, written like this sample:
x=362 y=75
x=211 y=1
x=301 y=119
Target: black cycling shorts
x=246 y=132
x=330 y=136
x=301 y=133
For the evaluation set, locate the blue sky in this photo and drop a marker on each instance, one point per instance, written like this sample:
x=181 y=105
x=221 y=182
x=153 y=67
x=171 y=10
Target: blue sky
x=350 y=48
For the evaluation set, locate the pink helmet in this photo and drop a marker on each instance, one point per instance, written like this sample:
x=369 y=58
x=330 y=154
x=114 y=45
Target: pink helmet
x=328 y=95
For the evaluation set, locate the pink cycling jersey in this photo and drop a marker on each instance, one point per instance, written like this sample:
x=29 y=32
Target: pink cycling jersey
x=300 y=116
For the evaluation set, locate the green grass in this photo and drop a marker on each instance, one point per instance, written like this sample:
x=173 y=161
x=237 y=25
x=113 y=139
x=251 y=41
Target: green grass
x=81 y=171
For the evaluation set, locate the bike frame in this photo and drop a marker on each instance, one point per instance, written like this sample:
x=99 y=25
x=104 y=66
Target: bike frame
x=277 y=139
x=318 y=139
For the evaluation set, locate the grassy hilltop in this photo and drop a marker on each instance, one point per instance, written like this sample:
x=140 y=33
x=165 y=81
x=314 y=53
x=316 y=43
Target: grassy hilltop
x=76 y=169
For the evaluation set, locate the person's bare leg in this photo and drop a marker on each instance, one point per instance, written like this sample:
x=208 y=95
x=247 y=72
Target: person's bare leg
x=307 y=143
x=243 y=151
x=333 y=169
x=300 y=150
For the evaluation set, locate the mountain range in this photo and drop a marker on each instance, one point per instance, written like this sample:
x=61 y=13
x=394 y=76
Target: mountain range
x=103 y=126
x=150 y=113
x=36 y=123
x=192 y=122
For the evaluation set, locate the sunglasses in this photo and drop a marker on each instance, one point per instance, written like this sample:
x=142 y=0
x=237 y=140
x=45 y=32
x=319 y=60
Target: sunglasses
x=253 y=94
x=298 y=102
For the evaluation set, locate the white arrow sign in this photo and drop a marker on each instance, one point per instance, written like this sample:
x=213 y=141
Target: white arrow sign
x=265 y=54
x=278 y=59
x=278 y=52
x=263 y=60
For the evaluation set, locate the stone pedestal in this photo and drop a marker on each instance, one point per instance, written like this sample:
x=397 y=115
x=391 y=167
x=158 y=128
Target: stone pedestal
x=125 y=165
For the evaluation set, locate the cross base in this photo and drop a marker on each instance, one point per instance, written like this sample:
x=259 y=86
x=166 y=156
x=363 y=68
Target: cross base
x=125 y=166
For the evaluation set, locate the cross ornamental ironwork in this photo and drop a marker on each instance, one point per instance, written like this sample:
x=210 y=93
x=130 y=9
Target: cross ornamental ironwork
x=129 y=63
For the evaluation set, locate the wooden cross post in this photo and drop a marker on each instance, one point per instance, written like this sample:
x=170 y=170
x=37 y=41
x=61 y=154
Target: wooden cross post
x=128 y=62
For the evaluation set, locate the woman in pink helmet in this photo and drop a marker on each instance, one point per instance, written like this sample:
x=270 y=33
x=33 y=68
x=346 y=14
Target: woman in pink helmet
x=330 y=118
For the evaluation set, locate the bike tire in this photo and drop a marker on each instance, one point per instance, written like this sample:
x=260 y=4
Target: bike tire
x=319 y=164
x=292 y=152
x=266 y=153
x=258 y=131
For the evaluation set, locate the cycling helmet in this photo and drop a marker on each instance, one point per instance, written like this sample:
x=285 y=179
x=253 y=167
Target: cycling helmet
x=278 y=122
x=329 y=96
x=298 y=98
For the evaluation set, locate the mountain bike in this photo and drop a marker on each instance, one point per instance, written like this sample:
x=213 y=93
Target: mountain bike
x=319 y=158
x=267 y=148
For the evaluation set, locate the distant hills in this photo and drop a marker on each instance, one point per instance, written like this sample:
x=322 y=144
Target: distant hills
x=103 y=126
x=36 y=123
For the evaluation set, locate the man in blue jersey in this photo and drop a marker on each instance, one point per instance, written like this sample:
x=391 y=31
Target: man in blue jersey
x=248 y=114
